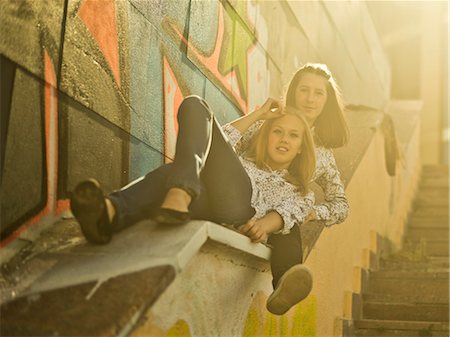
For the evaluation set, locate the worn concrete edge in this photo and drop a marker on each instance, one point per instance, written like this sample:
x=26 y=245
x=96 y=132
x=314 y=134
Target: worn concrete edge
x=212 y=231
x=236 y=240
x=205 y=231
x=27 y=233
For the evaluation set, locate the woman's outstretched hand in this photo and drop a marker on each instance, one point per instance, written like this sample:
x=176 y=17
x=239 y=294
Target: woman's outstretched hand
x=271 y=108
x=255 y=230
x=259 y=230
x=311 y=216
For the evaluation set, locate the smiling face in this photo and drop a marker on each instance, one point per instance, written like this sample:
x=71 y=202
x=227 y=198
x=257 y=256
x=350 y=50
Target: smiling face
x=311 y=96
x=284 y=141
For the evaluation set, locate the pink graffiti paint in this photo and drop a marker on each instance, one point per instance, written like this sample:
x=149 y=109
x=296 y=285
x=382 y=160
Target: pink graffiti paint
x=172 y=101
x=99 y=16
x=211 y=62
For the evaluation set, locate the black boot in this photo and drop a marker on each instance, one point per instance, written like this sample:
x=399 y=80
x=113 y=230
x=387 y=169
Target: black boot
x=87 y=204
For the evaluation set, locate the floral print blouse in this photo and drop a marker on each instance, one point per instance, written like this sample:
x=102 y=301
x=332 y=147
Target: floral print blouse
x=335 y=207
x=270 y=190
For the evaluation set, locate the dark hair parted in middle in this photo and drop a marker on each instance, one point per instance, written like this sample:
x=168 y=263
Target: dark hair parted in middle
x=330 y=127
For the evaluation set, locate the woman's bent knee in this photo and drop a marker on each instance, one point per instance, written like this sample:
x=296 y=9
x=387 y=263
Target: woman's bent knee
x=194 y=104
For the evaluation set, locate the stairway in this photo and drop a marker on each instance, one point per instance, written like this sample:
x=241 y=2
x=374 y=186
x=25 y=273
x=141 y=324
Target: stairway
x=408 y=295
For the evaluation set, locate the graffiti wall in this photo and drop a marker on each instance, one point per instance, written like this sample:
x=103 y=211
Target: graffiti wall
x=91 y=88
x=226 y=299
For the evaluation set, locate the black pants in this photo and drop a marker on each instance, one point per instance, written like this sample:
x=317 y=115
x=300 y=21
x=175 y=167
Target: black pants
x=206 y=166
x=286 y=252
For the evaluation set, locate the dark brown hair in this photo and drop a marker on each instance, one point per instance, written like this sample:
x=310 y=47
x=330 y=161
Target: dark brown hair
x=331 y=130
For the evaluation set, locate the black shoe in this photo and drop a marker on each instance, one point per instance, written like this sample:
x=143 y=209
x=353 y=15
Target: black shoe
x=171 y=216
x=293 y=286
x=87 y=204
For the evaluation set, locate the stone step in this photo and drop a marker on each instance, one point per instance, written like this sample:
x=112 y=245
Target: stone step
x=432 y=233
x=404 y=283
x=406 y=312
x=420 y=246
x=441 y=209
x=412 y=298
x=435 y=174
x=421 y=211
x=432 y=201
x=439 y=262
x=431 y=264
x=435 y=247
x=381 y=328
x=434 y=183
x=433 y=192
x=428 y=217
x=444 y=174
x=428 y=223
x=409 y=275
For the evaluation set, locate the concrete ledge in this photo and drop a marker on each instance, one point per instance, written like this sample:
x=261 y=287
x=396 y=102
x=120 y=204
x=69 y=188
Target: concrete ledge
x=86 y=310
x=104 y=290
x=140 y=247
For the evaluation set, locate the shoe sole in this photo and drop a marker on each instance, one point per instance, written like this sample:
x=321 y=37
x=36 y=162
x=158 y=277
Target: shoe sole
x=88 y=206
x=294 y=286
x=171 y=217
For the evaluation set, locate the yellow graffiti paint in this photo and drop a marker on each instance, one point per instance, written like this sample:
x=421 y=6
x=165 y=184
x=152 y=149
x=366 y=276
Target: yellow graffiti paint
x=179 y=329
x=251 y=324
x=284 y=325
x=299 y=321
x=270 y=328
x=304 y=318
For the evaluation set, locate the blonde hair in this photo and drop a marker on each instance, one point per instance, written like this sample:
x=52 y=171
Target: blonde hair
x=302 y=167
x=330 y=126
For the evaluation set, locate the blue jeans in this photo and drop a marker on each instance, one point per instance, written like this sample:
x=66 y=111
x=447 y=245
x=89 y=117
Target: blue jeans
x=206 y=166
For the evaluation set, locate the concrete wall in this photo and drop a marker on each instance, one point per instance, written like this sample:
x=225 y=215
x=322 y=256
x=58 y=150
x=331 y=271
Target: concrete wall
x=222 y=291
x=415 y=37
x=94 y=85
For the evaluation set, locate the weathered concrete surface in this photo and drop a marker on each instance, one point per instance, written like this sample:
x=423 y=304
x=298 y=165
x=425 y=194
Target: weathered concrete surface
x=139 y=247
x=27 y=28
x=27 y=155
x=86 y=133
x=88 y=309
x=139 y=264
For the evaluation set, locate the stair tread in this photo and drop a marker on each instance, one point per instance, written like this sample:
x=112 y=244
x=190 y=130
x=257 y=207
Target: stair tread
x=433 y=312
x=401 y=298
x=434 y=264
x=392 y=324
x=408 y=296
x=413 y=274
x=405 y=304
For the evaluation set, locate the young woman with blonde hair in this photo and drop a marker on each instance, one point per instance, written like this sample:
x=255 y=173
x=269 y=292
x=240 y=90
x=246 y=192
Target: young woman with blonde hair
x=259 y=184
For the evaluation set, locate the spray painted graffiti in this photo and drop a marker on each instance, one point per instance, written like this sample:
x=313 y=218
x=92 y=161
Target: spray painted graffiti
x=299 y=321
x=232 y=58
x=100 y=18
x=91 y=63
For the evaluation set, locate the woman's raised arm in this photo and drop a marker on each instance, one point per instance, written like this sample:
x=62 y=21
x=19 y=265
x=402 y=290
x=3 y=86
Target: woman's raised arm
x=270 y=109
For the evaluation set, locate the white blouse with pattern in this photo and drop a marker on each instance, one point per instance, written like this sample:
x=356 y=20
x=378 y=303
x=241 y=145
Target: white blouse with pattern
x=335 y=207
x=270 y=190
